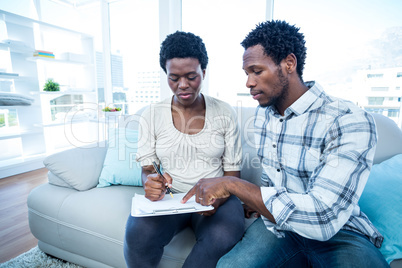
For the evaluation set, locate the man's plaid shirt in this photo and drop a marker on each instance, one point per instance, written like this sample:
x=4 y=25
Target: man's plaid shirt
x=316 y=160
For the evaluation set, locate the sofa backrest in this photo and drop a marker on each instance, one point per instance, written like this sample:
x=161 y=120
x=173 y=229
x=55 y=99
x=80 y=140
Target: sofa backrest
x=389 y=140
x=251 y=167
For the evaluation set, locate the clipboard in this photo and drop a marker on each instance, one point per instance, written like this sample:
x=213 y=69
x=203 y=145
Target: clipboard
x=143 y=207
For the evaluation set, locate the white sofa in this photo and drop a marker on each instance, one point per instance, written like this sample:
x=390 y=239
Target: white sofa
x=87 y=226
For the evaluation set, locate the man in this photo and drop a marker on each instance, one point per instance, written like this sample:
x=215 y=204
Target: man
x=316 y=153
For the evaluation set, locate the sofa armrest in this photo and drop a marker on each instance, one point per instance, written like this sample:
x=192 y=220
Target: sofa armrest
x=77 y=168
x=389 y=138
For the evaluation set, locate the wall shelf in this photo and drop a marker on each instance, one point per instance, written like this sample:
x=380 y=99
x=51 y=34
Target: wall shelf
x=56 y=60
x=66 y=92
x=9 y=76
x=42 y=130
x=4 y=76
x=15 y=47
x=19 y=133
x=74 y=122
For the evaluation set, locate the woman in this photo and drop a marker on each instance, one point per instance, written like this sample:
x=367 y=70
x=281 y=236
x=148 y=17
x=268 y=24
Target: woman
x=192 y=136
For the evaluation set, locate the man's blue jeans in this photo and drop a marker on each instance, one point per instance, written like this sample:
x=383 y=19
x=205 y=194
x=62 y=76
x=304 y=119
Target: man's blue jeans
x=261 y=248
x=146 y=237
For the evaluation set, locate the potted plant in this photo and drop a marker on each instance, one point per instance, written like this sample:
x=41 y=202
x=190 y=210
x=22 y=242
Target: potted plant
x=50 y=85
x=111 y=111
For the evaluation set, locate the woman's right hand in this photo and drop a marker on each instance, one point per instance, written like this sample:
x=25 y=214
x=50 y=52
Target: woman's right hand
x=155 y=186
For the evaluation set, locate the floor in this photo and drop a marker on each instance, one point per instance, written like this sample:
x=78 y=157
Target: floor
x=15 y=235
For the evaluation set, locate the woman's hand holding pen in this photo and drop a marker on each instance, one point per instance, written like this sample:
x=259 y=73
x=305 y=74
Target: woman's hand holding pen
x=155 y=186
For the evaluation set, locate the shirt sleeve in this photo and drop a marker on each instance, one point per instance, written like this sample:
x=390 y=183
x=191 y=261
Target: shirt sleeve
x=232 y=154
x=335 y=185
x=146 y=152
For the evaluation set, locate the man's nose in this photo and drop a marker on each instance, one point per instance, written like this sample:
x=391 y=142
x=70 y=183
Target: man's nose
x=250 y=83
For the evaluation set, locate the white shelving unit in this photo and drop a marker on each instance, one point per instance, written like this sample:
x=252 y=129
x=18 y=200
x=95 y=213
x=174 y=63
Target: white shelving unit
x=56 y=120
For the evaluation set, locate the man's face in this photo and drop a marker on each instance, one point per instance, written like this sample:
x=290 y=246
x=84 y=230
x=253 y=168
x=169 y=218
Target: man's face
x=266 y=80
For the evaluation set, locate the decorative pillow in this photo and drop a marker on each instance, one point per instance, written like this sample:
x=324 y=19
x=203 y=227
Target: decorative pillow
x=76 y=168
x=120 y=166
x=381 y=202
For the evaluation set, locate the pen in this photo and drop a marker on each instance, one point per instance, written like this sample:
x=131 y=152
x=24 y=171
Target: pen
x=168 y=191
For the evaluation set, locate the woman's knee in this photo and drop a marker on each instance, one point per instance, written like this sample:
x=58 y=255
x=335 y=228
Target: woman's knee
x=142 y=231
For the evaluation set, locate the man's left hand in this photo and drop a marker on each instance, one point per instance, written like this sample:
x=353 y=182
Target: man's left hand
x=208 y=191
x=216 y=205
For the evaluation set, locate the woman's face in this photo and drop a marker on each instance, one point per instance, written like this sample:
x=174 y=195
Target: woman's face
x=185 y=78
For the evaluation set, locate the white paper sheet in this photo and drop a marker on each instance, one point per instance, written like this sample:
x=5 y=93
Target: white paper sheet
x=143 y=207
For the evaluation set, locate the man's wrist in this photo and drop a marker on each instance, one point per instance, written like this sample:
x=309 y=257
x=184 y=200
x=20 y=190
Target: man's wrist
x=231 y=184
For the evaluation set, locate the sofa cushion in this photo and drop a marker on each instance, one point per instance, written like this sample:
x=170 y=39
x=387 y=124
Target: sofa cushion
x=120 y=166
x=381 y=201
x=77 y=168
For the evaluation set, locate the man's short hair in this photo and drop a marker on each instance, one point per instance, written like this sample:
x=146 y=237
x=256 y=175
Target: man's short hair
x=183 y=45
x=279 y=39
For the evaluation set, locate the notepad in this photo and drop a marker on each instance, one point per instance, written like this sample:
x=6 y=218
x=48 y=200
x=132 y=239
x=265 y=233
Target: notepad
x=143 y=207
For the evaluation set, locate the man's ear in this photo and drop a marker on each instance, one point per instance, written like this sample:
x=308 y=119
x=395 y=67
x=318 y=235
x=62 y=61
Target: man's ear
x=203 y=74
x=290 y=63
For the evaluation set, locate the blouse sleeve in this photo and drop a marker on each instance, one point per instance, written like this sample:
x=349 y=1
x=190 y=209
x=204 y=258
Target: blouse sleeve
x=232 y=154
x=146 y=152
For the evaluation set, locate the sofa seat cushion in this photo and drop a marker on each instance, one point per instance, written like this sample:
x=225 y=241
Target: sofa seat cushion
x=381 y=201
x=88 y=223
x=92 y=223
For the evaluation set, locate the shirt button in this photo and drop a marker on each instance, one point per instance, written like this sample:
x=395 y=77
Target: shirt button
x=274 y=145
x=281 y=120
x=278 y=170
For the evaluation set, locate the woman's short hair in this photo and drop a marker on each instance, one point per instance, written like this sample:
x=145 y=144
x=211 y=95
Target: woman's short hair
x=183 y=45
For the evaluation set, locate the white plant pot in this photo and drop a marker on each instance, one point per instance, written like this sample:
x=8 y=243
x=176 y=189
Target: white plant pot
x=112 y=118
x=112 y=114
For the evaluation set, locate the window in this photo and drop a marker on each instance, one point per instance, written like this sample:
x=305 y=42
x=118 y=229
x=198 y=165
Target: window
x=379 y=89
x=393 y=113
x=61 y=106
x=8 y=118
x=222 y=25
x=374 y=111
x=134 y=42
x=375 y=100
x=350 y=45
x=375 y=75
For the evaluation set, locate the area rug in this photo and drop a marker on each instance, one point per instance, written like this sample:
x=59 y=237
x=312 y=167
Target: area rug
x=35 y=258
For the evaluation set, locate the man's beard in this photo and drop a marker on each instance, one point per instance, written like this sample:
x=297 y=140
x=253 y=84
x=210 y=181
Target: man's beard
x=282 y=95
